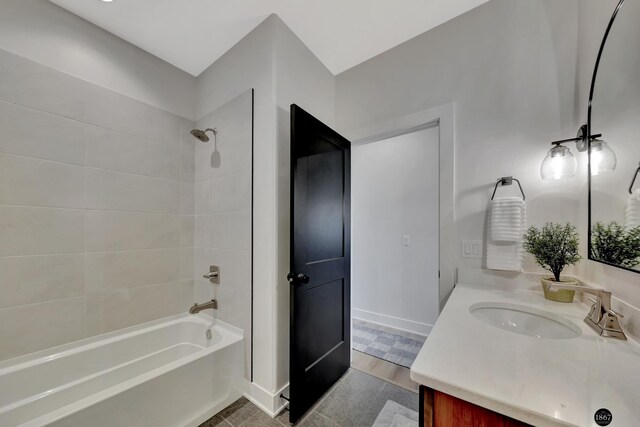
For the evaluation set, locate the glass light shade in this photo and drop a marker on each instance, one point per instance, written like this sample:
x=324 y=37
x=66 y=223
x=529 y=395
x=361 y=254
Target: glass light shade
x=559 y=163
x=603 y=158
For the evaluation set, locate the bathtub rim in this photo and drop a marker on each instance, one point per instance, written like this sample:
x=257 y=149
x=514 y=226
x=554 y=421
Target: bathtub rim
x=233 y=336
x=62 y=349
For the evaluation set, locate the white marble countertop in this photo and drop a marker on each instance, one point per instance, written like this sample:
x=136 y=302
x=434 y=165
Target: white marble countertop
x=543 y=382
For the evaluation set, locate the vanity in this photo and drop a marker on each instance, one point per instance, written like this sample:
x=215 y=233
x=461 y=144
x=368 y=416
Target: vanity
x=502 y=355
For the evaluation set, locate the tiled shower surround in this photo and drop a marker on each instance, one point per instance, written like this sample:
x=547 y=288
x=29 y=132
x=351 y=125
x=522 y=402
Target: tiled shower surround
x=223 y=213
x=97 y=211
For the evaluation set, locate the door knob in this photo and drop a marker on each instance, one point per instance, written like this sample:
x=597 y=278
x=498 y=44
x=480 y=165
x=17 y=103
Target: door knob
x=297 y=278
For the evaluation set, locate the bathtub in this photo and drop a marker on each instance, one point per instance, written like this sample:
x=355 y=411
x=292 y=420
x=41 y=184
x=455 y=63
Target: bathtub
x=162 y=373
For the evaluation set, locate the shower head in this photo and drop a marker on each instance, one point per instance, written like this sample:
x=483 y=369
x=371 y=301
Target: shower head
x=202 y=134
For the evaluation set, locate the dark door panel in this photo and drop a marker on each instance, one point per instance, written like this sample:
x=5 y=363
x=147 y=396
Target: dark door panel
x=325 y=271
x=320 y=260
x=324 y=320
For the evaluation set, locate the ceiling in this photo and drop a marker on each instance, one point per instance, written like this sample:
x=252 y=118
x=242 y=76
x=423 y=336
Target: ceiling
x=192 y=34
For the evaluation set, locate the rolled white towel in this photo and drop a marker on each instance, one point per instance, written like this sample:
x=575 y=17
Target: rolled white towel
x=508 y=219
x=504 y=256
x=507 y=223
x=632 y=218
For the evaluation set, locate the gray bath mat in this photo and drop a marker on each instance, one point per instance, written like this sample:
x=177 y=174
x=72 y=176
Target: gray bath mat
x=395 y=415
x=385 y=343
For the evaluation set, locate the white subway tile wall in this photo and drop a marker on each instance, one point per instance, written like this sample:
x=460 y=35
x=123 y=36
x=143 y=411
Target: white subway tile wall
x=222 y=177
x=96 y=210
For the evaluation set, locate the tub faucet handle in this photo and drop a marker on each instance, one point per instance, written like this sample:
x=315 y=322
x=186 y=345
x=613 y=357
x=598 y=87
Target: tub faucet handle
x=213 y=275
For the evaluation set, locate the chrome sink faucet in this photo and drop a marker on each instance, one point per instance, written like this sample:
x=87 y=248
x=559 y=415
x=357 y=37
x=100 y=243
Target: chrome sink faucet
x=197 y=308
x=601 y=318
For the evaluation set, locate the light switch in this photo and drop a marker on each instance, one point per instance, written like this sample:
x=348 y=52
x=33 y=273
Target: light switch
x=406 y=240
x=471 y=249
x=475 y=249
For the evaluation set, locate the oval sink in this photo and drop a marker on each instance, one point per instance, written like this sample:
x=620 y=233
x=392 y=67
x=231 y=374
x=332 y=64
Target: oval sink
x=525 y=320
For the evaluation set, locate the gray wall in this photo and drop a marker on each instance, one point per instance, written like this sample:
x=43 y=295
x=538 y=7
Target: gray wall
x=223 y=214
x=394 y=192
x=510 y=68
x=250 y=64
x=45 y=33
x=302 y=79
x=94 y=214
x=274 y=62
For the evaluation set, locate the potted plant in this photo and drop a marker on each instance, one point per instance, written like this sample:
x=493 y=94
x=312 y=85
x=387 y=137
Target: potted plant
x=554 y=247
x=615 y=244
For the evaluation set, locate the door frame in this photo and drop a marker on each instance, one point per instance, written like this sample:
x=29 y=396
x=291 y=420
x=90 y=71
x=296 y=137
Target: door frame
x=442 y=116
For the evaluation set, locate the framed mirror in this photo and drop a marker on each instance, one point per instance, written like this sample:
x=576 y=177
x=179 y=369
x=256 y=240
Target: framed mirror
x=614 y=158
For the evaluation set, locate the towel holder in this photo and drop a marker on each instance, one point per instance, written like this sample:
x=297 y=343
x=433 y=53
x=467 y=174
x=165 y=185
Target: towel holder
x=508 y=180
x=633 y=181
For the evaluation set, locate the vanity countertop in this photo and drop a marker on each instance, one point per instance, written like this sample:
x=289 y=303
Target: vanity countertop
x=543 y=382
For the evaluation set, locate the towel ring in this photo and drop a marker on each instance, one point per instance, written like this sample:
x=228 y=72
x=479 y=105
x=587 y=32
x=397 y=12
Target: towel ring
x=508 y=180
x=633 y=181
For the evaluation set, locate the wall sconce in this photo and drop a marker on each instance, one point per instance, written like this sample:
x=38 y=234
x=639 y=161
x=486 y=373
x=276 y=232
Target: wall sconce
x=603 y=159
x=560 y=163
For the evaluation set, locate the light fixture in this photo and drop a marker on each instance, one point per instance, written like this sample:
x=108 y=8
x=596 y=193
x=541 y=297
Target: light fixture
x=107 y=1
x=560 y=163
x=603 y=159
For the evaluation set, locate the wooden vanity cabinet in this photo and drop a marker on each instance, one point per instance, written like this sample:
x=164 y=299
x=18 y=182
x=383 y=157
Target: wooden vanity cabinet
x=442 y=410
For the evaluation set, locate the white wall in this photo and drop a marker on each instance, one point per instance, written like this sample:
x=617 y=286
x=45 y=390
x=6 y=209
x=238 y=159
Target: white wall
x=223 y=214
x=394 y=187
x=45 y=33
x=303 y=80
x=594 y=17
x=250 y=64
x=273 y=61
x=510 y=68
x=96 y=205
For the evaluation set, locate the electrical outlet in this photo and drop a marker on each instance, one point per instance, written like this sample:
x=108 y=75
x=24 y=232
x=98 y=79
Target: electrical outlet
x=406 y=240
x=471 y=249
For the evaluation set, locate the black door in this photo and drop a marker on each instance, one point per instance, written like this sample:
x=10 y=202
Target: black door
x=320 y=260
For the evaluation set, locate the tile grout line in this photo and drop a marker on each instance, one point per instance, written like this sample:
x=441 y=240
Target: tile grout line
x=326 y=418
x=105 y=291
x=87 y=123
x=325 y=397
x=91 y=167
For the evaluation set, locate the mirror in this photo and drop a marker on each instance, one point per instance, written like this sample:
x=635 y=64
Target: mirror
x=614 y=208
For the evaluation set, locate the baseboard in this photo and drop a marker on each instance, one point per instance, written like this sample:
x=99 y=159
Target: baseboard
x=271 y=403
x=392 y=322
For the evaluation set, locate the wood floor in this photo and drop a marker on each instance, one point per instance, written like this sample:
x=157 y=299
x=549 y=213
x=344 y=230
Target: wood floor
x=390 y=372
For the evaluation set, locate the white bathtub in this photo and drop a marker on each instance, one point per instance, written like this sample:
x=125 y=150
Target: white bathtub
x=162 y=373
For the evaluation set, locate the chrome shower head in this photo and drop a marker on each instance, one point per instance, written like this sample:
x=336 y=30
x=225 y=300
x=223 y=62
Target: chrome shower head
x=201 y=135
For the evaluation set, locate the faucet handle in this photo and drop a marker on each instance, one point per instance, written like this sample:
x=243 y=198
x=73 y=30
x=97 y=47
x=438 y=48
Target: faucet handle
x=610 y=326
x=616 y=314
x=213 y=275
x=601 y=318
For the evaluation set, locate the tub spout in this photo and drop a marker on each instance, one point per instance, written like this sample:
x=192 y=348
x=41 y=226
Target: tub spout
x=197 y=308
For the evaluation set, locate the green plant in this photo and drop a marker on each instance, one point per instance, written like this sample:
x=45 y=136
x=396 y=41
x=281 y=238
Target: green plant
x=616 y=244
x=554 y=247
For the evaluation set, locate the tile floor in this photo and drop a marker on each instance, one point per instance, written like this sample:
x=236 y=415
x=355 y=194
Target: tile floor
x=386 y=343
x=387 y=371
x=354 y=401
